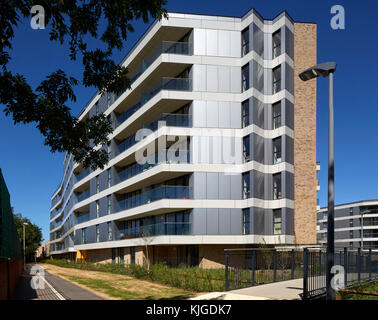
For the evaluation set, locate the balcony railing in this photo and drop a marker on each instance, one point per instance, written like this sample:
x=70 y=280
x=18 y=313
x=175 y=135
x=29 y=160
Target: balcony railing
x=163 y=156
x=83 y=174
x=180 y=84
x=159 y=229
x=84 y=217
x=162 y=192
x=82 y=196
x=172 y=120
x=184 y=48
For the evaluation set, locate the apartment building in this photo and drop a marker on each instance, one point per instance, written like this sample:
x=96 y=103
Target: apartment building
x=214 y=147
x=356 y=225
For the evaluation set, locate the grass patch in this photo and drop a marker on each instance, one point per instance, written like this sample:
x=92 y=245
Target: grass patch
x=369 y=286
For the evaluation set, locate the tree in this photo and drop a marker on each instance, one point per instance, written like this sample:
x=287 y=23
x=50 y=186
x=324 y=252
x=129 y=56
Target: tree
x=72 y=22
x=33 y=235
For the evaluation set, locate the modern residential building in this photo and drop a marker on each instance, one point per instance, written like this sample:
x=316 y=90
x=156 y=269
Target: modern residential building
x=356 y=225
x=229 y=136
x=43 y=251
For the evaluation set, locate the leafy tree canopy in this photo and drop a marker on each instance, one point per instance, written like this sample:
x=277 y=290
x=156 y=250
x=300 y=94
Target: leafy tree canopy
x=71 y=21
x=33 y=235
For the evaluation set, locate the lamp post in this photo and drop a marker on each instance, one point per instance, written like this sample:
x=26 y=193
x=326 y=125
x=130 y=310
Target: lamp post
x=324 y=70
x=23 y=229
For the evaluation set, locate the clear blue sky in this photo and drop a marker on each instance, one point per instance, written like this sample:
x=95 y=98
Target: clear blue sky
x=32 y=173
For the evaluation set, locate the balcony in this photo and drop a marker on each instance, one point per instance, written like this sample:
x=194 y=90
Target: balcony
x=164 y=156
x=171 y=119
x=162 y=192
x=178 y=84
x=183 y=48
x=84 y=217
x=82 y=196
x=159 y=229
x=83 y=174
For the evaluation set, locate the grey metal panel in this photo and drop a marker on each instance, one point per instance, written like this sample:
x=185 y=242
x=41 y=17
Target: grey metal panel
x=212 y=78
x=257 y=150
x=212 y=114
x=103 y=232
x=212 y=185
x=288 y=112
x=268 y=221
x=224 y=216
x=236 y=221
x=211 y=42
x=224 y=43
x=235 y=41
x=224 y=186
x=289 y=78
x=257 y=76
x=288 y=221
x=288 y=184
x=256 y=112
x=199 y=77
x=235 y=108
x=257 y=183
x=212 y=221
x=267 y=46
x=224 y=79
x=199 y=42
x=91 y=234
x=257 y=221
x=236 y=186
x=288 y=149
x=199 y=221
x=258 y=40
x=199 y=114
x=289 y=42
x=235 y=80
x=199 y=188
x=224 y=114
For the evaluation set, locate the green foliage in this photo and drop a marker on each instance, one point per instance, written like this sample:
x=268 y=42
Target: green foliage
x=193 y=278
x=73 y=22
x=33 y=235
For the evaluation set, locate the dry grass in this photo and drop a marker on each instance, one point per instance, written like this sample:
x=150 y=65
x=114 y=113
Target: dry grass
x=117 y=287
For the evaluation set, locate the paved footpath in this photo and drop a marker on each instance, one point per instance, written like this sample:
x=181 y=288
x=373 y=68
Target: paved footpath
x=284 y=290
x=54 y=288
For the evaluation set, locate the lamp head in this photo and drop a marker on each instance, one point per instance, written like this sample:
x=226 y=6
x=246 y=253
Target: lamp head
x=323 y=69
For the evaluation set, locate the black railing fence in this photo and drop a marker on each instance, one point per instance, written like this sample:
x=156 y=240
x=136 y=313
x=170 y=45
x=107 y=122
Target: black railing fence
x=256 y=266
x=251 y=267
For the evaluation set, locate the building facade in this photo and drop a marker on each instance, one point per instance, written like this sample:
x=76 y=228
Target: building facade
x=214 y=147
x=356 y=225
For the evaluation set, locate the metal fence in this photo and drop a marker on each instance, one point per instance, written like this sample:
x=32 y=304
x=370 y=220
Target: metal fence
x=256 y=266
x=357 y=266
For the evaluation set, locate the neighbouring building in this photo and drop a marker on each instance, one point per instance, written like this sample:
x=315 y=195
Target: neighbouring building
x=43 y=250
x=226 y=157
x=356 y=225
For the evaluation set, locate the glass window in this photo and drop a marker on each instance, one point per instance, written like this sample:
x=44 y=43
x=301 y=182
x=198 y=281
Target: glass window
x=97 y=109
x=276 y=79
x=109 y=204
x=246 y=149
x=170 y=221
x=276 y=38
x=245 y=113
x=277 y=150
x=277 y=221
x=246 y=221
x=84 y=235
x=109 y=99
x=109 y=177
x=245 y=77
x=277 y=186
x=276 y=110
x=97 y=184
x=246 y=185
x=97 y=208
x=97 y=233
x=110 y=231
x=109 y=149
x=245 y=41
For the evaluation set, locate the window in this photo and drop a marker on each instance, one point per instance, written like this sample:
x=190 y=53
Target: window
x=109 y=150
x=97 y=110
x=276 y=110
x=246 y=185
x=84 y=235
x=277 y=186
x=245 y=113
x=246 y=149
x=276 y=79
x=97 y=209
x=245 y=41
x=109 y=204
x=108 y=99
x=110 y=231
x=350 y=222
x=246 y=221
x=109 y=177
x=97 y=233
x=97 y=184
x=351 y=234
x=277 y=221
x=277 y=157
x=276 y=38
x=245 y=77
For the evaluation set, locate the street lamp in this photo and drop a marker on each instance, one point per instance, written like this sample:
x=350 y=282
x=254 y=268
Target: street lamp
x=324 y=70
x=23 y=228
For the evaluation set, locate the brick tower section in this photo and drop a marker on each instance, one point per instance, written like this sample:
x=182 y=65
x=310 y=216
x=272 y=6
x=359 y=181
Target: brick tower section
x=305 y=180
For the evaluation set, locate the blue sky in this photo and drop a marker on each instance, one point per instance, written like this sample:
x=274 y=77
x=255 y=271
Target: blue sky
x=32 y=173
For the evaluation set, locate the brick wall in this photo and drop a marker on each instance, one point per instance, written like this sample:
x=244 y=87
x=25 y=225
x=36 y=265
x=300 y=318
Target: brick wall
x=304 y=135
